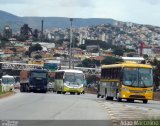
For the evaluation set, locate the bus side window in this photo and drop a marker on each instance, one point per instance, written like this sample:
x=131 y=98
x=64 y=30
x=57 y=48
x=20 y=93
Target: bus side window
x=114 y=73
x=110 y=74
x=103 y=73
x=107 y=74
x=118 y=72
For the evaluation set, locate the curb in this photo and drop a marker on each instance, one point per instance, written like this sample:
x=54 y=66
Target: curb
x=7 y=94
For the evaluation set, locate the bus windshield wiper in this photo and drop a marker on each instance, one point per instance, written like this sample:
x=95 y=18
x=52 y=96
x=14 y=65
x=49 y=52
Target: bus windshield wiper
x=133 y=83
x=143 y=83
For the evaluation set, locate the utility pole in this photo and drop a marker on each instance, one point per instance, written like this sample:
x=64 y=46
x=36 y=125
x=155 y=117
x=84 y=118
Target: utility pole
x=70 y=47
x=42 y=31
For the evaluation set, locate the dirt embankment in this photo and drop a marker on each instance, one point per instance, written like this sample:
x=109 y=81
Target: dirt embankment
x=7 y=94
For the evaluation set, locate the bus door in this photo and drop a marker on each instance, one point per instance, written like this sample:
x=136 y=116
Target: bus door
x=113 y=88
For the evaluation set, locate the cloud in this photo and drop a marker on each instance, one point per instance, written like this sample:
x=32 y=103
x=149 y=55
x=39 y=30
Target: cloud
x=138 y=11
x=13 y=1
x=152 y=2
x=76 y=3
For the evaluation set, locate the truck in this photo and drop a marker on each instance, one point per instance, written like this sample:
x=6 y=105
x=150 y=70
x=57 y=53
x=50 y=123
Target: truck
x=34 y=80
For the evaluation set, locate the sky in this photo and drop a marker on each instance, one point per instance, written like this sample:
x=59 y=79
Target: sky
x=137 y=11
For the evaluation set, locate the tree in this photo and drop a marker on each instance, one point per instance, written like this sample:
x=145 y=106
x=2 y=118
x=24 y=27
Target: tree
x=92 y=63
x=156 y=73
x=118 y=51
x=111 y=60
x=83 y=46
x=33 y=48
x=37 y=56
x=145 y=56
x=57 y=55
x=4 y=42
x=36 y=47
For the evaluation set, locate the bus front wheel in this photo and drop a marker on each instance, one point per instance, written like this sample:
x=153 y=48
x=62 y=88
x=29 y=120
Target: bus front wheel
x=130 y=100
x=98 y=95
x=64 y=92
x=58 y=92
x=78 y=93
x=145 y=101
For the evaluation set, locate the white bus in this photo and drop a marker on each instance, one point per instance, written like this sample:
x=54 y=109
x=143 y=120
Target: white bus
x=8 y=83
x=72 y=81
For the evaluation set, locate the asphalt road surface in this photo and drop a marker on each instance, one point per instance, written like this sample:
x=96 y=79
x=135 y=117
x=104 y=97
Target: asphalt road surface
x=53 y=109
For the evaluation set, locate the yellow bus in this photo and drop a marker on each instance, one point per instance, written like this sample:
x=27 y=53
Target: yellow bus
x=72 y=81
x=128 y=80
x=36 y=61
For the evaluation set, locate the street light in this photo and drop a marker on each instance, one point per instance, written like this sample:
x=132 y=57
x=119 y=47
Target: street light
x=70 y=47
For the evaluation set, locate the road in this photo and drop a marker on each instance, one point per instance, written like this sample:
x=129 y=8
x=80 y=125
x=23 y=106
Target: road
x=67 y=109
x=51 y=106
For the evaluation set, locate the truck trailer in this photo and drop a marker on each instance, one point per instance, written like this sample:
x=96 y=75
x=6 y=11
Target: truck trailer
x=34 y=80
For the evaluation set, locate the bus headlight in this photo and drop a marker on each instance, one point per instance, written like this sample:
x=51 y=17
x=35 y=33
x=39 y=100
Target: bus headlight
x=81 y=86
x=149 y=91
x=124 y=89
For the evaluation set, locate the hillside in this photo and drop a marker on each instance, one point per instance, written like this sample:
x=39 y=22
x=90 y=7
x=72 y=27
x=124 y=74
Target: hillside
x=49 y=22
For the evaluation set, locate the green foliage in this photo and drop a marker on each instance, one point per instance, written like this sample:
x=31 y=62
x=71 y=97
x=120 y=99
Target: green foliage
x=145 y=56
x=83 y=46
x=36 y=47
x=33 y=48
x=57 y=55
x=0 y=89
x=37 y=56
x=101 y=44
x=4 y=42
x=156 y=73
x=111 y=60
x=130 y=55
x=89 y=63
x=129 y=50
x=118 y=52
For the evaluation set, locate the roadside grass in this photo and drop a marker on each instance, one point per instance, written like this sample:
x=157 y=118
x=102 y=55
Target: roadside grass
x=1 y=90
x=1 y=93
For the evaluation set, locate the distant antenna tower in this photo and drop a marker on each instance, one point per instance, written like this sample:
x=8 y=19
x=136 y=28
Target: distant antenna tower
x=42 y=31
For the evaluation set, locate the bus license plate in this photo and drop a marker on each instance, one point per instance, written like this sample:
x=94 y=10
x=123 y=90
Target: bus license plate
x=137 y=94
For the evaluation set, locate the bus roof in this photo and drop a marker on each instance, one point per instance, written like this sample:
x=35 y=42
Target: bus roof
x=127 y=64
x=70 y=70
x=8 y=76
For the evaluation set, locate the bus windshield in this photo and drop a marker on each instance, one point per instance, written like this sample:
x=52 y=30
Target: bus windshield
x=8 y=80
x=74 y=78
x=137 y=77
x=38 y=75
